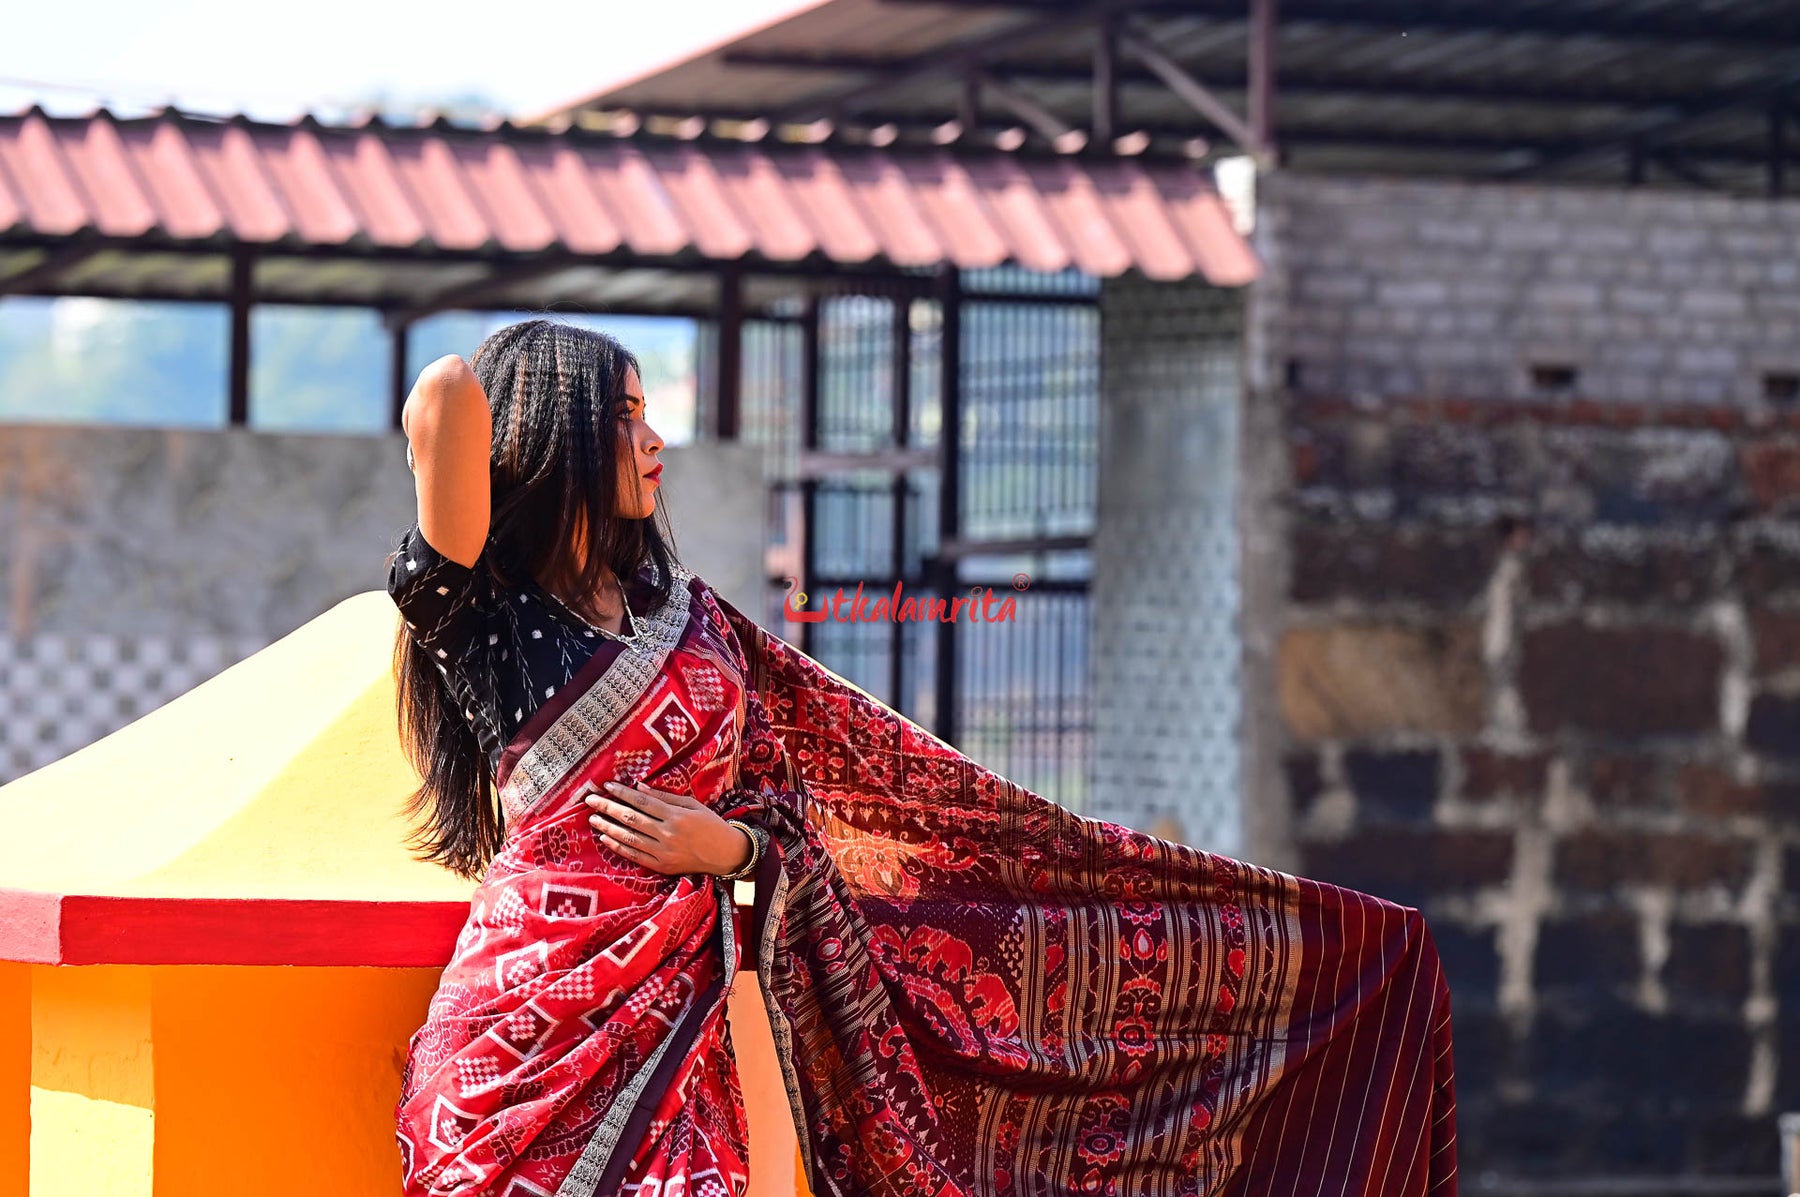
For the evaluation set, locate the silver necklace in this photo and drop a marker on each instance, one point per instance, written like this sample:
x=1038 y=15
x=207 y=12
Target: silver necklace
x=631 y=639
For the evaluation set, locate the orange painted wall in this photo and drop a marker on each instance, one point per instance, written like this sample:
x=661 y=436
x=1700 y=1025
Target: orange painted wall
x=15 y=1079
x=281 y=1080
x=192 y=1080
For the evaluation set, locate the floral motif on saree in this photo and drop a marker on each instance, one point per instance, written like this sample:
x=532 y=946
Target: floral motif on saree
x=973 y=990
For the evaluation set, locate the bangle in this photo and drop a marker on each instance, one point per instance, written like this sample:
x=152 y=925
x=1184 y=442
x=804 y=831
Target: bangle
x=756 y=849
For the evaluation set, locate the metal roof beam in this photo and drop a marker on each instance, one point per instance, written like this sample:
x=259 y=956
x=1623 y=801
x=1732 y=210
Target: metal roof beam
x=1778 y=151
x=1192 y=91
x=1487 y=143
x=1647 y=127
x=1669 y=25
x=1686 y=171
x=1296 y=83
x=47 y=269
x=1046 y=123
x=1105 y=115
x=162 y=295
x=898 y=279
x=471 y=295
x=1377 y=136
x=1259 y=95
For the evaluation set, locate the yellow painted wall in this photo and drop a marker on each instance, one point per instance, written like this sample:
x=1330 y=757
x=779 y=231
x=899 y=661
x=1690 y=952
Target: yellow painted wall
x=279 y=778
x=93 y=1081
x=775 y=1165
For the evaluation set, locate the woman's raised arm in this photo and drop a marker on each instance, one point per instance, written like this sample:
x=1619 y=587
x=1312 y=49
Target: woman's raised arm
x=449 y=428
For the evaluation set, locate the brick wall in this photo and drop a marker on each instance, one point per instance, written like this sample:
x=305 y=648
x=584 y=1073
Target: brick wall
x=1428 y=287
x=1536 y=669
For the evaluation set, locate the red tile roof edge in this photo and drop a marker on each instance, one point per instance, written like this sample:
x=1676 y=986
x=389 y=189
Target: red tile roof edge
x=454 y=188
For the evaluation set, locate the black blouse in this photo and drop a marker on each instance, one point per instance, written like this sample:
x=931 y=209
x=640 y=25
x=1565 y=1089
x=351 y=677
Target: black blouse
x=501 y=651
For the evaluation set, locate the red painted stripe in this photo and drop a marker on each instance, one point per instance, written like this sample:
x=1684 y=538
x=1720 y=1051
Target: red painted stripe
x=41 y=928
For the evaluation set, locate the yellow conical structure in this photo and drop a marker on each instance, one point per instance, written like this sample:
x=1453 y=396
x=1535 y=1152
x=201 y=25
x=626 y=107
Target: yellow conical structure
x=281 y=777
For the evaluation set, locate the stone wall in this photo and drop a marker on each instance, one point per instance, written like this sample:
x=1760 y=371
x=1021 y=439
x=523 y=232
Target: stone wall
x=1539 y=675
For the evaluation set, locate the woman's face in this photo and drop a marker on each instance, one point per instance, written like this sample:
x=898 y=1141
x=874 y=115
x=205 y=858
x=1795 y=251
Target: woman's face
x=639 y=470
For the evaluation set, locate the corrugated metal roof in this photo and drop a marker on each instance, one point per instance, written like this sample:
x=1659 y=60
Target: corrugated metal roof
x=442 y=190
x=1569 y=89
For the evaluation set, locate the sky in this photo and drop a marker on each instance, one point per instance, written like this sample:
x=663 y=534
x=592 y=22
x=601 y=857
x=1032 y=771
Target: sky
x=276 y=62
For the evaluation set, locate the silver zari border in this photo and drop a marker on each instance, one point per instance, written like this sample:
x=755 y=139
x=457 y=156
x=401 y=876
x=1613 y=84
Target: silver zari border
x=578 y=730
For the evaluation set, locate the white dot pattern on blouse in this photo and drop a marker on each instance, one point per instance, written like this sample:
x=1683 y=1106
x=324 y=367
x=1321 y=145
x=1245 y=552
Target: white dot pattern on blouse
x=460 y=616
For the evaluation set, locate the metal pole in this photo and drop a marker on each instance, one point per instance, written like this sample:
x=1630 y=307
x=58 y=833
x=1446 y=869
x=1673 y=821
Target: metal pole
x=809 y=440
x=1106 y=81
x=399 y=342
x=730 y=360
x=1777 y=144
x=243 y=267
x=902 y=438
x=1262 y=78
x=946 y=574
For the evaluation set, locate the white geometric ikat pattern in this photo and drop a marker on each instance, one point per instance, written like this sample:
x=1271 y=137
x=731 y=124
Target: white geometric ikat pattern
x=671 y=724
x=561 y=901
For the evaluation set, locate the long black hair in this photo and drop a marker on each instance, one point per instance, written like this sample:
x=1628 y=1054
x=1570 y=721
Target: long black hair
x=557 y=393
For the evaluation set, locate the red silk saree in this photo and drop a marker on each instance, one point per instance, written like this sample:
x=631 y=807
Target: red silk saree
x=973 y=991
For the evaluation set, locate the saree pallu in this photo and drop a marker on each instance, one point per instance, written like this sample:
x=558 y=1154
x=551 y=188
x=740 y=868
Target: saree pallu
x=972 y=990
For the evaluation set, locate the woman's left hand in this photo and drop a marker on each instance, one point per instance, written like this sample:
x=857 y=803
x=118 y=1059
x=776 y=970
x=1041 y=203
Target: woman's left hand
x=668 y=832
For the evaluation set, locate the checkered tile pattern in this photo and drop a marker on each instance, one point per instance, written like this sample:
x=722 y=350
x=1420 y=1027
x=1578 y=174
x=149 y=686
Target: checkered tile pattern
x=62 y=691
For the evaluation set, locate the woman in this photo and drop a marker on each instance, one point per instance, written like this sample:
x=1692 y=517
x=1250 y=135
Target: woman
x=972 y=990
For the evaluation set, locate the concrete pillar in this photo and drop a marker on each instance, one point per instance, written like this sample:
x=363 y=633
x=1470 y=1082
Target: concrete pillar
x=1166 y=644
